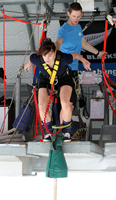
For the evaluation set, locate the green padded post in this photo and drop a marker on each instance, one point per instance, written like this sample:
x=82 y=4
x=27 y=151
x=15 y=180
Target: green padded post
x=56 y=165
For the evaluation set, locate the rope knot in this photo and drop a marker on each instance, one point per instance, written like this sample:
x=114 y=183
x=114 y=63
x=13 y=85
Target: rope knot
x=21 y=68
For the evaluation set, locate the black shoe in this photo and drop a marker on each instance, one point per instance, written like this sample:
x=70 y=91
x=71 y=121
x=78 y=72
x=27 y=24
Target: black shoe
x=47 y=138
x=66 y=137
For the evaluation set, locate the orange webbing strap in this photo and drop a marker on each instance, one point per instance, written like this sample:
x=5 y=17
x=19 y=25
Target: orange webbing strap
x=42 y=35
x=19 y=20
x=103 y=70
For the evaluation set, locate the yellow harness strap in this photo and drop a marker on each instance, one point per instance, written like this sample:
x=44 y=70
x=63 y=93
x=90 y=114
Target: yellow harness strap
x=55 y=68
x=47 y=68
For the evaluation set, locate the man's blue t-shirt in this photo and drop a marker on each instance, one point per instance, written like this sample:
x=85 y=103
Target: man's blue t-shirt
x=65 y=60
x=72 y=36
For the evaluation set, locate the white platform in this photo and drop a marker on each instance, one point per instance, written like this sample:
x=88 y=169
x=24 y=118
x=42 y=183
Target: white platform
x=10 y=166
x=28 y=159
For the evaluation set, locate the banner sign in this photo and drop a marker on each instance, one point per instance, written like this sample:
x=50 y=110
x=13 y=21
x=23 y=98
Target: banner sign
x=94 y=34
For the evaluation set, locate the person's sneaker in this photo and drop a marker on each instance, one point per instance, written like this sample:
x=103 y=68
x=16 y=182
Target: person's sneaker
x=47 y=138
x=66 y=137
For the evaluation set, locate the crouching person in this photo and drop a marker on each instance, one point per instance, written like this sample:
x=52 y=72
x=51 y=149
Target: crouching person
x=50 y=61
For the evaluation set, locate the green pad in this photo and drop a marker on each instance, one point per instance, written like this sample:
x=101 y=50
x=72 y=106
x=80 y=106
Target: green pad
x=56 y=165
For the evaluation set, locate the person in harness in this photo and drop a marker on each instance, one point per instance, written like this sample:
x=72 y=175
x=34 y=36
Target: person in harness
x=53 y=63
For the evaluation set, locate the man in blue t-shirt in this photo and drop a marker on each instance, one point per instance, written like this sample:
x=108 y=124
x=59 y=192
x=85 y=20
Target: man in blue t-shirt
x=70 y=37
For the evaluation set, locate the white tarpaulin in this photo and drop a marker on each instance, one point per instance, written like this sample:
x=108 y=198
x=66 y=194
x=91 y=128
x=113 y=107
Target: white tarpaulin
x=87 y=5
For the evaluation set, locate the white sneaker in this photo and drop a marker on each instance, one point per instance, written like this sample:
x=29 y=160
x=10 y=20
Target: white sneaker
x=66 y=137
x=47 y=138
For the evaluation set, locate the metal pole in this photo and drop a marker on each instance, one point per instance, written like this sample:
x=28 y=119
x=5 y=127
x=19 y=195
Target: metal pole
x=18 y=96
x=29 y=28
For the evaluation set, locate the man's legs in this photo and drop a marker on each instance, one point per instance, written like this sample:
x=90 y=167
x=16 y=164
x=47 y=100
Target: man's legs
x=66 y=109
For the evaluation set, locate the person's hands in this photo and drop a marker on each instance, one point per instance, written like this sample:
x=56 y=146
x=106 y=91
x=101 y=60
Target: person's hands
x=86 y=64
x=101 y=53
x=27 y=66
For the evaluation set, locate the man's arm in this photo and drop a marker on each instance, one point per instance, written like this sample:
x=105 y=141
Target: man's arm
x=85 y=62
x=58 y=43
x=86 y=45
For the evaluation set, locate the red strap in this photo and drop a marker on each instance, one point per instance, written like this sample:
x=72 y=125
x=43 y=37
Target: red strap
x=42 y=35
x=55 y=100
x=109 y=100
x=107 y=84
x=50 y=98
x=19 y=20
x=37 y=113
x=34 y=127
x=35 y=99
x=36 y=133
x=4 y=82
x=114 y=83
x=103 y=70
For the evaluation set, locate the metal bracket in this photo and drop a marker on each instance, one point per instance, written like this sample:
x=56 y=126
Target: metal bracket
x=1 y=8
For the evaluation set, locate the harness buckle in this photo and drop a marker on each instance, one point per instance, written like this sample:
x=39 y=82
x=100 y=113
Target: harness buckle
x=56 y=81
x=67 y=71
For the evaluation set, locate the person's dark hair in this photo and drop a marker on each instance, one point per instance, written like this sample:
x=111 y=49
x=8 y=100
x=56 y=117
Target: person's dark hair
x=46 y=47
x=75 y=6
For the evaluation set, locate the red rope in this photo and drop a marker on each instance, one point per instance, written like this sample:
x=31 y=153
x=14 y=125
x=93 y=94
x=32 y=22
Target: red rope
x=4 y=15
x=19 y=20
x=108 y=86
x=35 y=121
x=37 y=110
x=4 y=82
x=42 y=35
x=114 y=83
x=103 y=70
x=37 y=113
x=34 y=125
x=35 y=100
x=52 y=87
x=105 y=81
